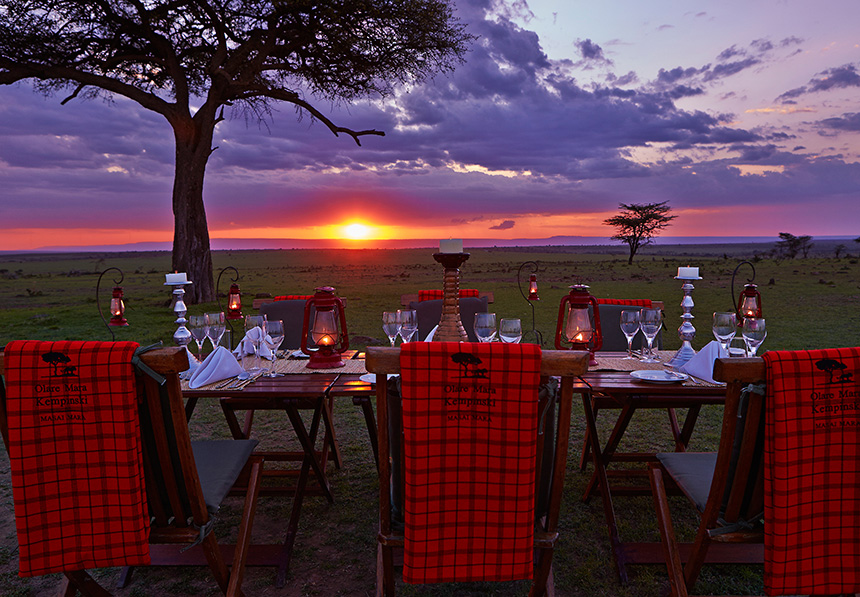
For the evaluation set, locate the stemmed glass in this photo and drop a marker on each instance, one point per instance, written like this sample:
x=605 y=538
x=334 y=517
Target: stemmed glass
x=485 y=326
x=391 y=325
x=216 y=325
x=408 y=324
x=650 y=321
x=725 y=327
x=510 y=331
x=255 y=337
x=197 y=327
x=273 y=338
x=754 y=332
x=629 y=322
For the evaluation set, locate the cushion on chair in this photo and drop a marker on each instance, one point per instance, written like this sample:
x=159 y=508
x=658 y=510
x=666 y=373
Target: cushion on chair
x=430 y=313
x=692 y=471
x=219 y=463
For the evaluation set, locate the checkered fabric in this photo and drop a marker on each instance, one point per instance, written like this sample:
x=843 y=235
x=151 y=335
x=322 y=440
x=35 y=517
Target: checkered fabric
x=294 y=297
x=812 y=472
x=470 y=438
x=432 y=295
x=75 y=454
x=645 y=303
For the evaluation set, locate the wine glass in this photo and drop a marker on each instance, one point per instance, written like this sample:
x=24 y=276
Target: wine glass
x=198 y=328
x=273 y=338
x=650 y=321
x=629 y=322
x=391 y=325
x=408 y=324
x=255 y=336
x=485 y=326
x=754 y=333
x=216 y=326
x=510 y=331
x=725 y=327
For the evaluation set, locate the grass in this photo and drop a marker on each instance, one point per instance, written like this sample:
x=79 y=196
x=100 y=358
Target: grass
x=810 y=303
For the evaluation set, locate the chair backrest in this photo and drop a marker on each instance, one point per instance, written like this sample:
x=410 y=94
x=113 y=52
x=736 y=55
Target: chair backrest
x=430 y=313
x=566 y=364
x=737 y=490
x=292 y=313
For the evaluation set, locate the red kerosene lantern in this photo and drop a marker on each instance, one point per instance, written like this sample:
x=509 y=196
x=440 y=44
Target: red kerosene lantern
x=748 y=303
x=578 y=329
x=234 y=303
x=533 y=293
x=117 y=308
x=328 y=330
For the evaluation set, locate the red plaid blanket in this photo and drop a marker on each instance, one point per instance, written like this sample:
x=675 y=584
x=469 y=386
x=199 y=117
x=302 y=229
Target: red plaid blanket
x=645 y=303
x=812 y=472
x=75 y=454
x=430 y=295
x=294 y=297
x=470 y=437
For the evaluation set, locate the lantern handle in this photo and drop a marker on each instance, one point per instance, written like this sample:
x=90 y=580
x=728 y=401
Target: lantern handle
x=534 y=270
x=98 y=305
x=736 y=301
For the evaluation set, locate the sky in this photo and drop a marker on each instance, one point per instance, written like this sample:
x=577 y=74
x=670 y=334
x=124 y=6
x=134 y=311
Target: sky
x=743 y=114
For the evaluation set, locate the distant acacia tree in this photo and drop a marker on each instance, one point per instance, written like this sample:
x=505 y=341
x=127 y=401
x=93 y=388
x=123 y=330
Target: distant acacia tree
x=170 y=55
x=637 y=224
x=789 y=245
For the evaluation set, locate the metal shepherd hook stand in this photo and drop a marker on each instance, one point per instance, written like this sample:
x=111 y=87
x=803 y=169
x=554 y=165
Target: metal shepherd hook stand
x=218 y=296
x=736 y=300
x=98 y=305
x=531 y=297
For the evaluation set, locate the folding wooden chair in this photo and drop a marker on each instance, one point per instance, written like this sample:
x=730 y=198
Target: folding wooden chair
x=549 y=470
x=726 y=486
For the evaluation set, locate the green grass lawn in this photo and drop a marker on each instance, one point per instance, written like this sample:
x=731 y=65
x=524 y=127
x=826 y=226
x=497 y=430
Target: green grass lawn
x=808 y=303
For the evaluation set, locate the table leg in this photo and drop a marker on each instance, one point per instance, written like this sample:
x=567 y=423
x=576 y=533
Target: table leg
x=330 y=437
x=370 y=421
x=605 y=455
x=603 y=484
x=308 y=443
x=689 y=424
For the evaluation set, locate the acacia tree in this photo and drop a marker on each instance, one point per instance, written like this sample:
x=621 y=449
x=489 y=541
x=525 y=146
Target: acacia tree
x=247 y=54
x=790 y=245
x=638 y=223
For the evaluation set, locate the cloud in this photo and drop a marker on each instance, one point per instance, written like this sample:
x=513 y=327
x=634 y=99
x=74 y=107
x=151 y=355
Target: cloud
x=840 y=77
x=847 y=122
x=591 y=53
x=506 y=225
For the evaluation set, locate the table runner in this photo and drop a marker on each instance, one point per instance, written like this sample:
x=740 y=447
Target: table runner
x=75 y=455
x=812 y=472
x=470 y=436
x=618 y=363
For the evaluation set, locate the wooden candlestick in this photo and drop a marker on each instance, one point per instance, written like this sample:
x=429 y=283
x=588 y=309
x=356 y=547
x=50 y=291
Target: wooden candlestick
x=450 y=326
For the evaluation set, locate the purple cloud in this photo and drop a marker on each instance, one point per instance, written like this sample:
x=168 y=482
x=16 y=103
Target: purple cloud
x=506 y=225
x=847 y=122
x=839 y=77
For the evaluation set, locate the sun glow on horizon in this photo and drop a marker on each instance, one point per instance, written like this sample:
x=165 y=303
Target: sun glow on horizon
x=357 y=231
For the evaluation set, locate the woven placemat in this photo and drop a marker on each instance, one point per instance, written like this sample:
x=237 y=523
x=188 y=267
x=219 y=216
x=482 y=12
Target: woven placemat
x=300 y=366
x=622 y=364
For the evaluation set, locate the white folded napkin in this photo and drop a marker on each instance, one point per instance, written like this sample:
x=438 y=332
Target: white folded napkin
x=430 y=334
x=702 y=364
x=246 y=345
x=193 y=365
x=220 y=364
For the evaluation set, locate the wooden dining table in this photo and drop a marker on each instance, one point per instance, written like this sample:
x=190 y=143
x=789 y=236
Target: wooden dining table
x=609 y=386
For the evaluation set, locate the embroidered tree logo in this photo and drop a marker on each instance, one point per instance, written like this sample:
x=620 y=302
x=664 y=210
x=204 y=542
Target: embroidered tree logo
x=833 y=366
x=467 y=359
x=55 y=359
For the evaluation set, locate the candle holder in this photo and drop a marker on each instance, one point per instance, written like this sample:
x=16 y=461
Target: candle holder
x=450 y=325
x=532 y=296
x=686 y=332
x=117 y=307
x=181 y=336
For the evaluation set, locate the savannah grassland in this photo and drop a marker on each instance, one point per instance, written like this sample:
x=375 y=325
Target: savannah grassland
x=808 y=303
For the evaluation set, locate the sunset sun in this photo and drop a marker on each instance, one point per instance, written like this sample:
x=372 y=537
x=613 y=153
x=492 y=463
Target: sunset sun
x=357 y=231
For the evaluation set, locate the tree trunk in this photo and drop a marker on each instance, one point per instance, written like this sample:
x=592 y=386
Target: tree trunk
x=191 y=253
x=633 y=248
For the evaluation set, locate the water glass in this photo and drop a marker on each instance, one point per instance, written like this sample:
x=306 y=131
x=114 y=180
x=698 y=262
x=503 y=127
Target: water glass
x=754 y=332
x=216 y=324
x=650 y=321
x=485 y=327
x=391 y=325
x=510 y=331
x=273 y=338
x=629 y=322
x=725 y=327
x=197 y=327
x=408 y=324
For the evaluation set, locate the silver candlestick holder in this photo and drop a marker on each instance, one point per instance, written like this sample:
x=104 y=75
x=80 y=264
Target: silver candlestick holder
x=686 y=332
x=181 y=336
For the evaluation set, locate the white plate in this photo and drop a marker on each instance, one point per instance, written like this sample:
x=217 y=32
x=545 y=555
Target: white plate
x=371 y=377
x=659 y=376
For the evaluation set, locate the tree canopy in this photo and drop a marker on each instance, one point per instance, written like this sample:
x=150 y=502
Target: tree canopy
x=789 y=245
x=637 y=224
x=189 y=59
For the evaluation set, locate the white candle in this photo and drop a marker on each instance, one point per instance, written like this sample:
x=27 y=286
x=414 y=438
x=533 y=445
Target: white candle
x=451 y=245
x=688 y=272
x=177 y=278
